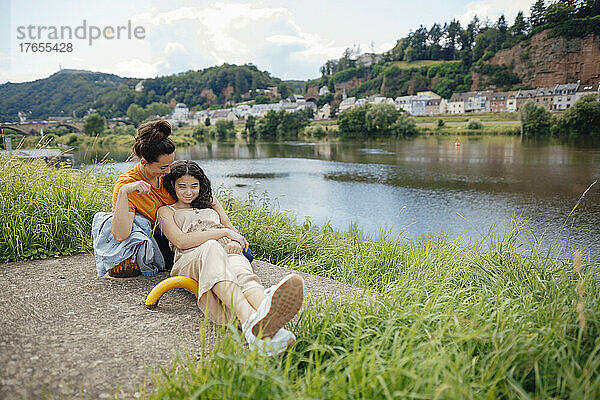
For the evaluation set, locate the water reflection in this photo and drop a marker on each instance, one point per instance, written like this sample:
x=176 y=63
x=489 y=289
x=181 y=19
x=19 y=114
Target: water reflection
x=419 y=186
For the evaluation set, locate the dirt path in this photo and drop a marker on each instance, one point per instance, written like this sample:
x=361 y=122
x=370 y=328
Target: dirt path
x=64 y=333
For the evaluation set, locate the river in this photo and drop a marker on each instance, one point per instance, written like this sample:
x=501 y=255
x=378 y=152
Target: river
x=420 y=187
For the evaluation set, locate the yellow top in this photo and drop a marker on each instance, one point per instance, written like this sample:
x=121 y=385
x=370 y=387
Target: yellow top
x=145 y=204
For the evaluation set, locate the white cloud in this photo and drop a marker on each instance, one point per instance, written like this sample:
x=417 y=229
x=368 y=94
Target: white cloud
x=173 y=47
x=492 y=9
x=236 y=33
x=136 y=68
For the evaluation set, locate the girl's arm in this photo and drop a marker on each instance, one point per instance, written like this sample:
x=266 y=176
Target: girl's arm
x=183 y=241
x=225 y=221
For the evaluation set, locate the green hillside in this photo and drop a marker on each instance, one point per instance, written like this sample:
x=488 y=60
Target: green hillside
x=69 y=92
x=60 y=94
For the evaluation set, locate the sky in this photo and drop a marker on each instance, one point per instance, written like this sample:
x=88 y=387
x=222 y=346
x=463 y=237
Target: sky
x=289 y=39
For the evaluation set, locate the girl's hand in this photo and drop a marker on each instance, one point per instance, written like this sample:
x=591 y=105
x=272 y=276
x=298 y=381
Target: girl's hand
x=141 y=187
x=237 y=238
x=233 y=248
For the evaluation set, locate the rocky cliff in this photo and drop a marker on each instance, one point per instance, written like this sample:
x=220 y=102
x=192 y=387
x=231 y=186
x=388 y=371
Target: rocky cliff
x=542 y=61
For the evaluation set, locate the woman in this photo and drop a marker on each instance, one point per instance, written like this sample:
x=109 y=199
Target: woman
x=210 y=253
x=141 y=190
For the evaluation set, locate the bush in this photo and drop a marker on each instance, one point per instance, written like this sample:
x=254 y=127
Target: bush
x=583 y=119
x=376 y=120
x=535 y=121
x=474 y=124
x=94 y=124
x=224 y=128
x=317 y=132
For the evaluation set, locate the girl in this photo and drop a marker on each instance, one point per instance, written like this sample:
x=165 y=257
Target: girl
x=141 y=190
x=209 y=252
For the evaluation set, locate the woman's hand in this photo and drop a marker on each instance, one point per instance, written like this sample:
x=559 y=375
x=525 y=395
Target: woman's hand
x=233 y=248
x=141 y=187
x=233 y=235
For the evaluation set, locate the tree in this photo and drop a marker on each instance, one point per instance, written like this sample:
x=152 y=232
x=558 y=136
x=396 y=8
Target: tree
x=136 y=114
x=502 y=27
x=262 y=99
x=224 y=128
x=251 y=126
x=535 y=121
x=434 y=36
x=352 y=122
x=404 y=125
x=157 y=109
x=538 y=11
x=452 y=33
x=583 y=119
x=207 y=121
x=284 y=90
x=520 y=26
x=558 y=12
x=94 y=124
x=588 y=8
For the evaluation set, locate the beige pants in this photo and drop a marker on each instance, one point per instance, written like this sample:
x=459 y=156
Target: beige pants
x=209 y=264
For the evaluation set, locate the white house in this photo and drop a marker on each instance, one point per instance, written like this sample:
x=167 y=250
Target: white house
x=180 y=113
x=477 y=101
x=324 y=112
x=323 y=90
x=347 y=104
x=564 y=96
x=413 y=105
x=456 y=104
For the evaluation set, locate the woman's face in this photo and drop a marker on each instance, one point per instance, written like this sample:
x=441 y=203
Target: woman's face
x=159 y=168
x=187 y=189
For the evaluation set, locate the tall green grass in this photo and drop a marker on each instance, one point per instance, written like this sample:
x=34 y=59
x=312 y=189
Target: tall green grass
x=450 y=321
x=46 y=211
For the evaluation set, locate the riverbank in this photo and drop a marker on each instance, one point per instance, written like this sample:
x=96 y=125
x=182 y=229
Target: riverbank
x=187 y=136
x=453 y=320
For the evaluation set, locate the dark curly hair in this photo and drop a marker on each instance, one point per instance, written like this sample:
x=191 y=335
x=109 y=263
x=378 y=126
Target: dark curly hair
x=187 y=167
x=152 y=140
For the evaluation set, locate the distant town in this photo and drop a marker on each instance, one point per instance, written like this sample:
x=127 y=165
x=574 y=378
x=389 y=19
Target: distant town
x=558 y=97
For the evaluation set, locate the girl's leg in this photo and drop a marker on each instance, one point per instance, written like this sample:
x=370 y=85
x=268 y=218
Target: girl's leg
x=231 y=295
x=255 y=296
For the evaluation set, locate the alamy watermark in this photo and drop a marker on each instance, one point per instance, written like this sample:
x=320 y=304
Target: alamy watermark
x=51 y=38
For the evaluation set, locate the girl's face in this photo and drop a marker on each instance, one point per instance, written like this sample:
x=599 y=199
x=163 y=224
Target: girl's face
x=187 y=189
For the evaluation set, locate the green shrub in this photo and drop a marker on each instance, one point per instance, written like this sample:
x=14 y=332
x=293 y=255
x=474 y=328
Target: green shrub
x=535 y=120
x=474 y=124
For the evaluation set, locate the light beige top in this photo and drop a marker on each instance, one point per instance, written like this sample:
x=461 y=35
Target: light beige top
x=196 y=219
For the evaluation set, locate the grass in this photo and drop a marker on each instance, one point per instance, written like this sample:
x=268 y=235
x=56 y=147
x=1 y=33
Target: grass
x=417 y=63
x=47 y=211
x=499 y=116
x=492 y=130
x=451 y=320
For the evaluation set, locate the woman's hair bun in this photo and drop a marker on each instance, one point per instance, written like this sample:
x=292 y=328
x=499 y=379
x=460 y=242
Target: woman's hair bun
x=162 y=126
x=153 y=131
x=153 y=140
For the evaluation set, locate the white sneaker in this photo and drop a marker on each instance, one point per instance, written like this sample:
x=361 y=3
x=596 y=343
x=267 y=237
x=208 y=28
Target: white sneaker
x=270 y=347
x=281 y=304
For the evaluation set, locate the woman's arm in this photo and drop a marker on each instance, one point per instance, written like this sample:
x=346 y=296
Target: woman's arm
x=184 y=241
x=122 y=221
x=225 y=221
